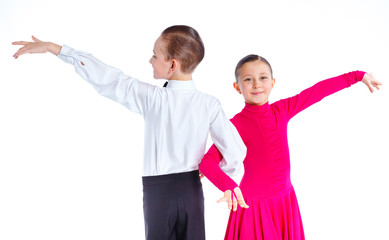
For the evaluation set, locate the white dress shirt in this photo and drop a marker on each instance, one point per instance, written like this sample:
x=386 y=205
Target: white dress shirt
x=177 y=118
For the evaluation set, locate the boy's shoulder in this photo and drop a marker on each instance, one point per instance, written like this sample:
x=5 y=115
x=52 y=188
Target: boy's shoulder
x=210 y=98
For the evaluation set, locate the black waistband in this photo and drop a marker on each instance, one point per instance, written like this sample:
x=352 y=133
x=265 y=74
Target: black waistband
x=168 y=178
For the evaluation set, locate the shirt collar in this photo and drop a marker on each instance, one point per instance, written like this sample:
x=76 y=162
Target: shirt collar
x=177 y=84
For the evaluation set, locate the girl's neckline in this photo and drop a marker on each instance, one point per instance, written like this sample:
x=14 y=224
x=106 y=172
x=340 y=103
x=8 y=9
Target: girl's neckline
x=256 y=108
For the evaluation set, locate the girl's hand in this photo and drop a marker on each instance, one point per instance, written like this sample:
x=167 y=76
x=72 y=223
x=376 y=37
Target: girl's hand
x=234 y=200
x=201 y=175
x=371 y=82
x=37 y=46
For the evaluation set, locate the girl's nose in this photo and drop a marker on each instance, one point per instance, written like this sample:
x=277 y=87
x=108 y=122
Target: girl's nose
x=150 y=61
x=255 y=84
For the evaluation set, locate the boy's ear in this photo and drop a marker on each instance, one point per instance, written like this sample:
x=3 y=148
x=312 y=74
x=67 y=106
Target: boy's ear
x=174 y=65
x=237 y=87
x=274 y=81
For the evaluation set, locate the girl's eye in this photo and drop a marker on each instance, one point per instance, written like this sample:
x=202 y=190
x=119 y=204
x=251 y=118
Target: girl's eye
x=154 y=56
x=248 y=79
x=263 y=78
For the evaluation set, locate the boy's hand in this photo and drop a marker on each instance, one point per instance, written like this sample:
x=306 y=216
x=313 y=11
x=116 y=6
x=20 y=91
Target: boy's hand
x=232 y=200
x=37 y=46
x=371 y=82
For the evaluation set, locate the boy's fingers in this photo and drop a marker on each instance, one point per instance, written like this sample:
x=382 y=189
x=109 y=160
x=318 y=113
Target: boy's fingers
x=35 y=39
x=19 y=43
x=21 y=51
x=17 y=54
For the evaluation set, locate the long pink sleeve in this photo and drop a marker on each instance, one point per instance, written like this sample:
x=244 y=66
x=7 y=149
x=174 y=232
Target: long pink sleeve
x=210 y=168
x=283 y=110
x=318 y=91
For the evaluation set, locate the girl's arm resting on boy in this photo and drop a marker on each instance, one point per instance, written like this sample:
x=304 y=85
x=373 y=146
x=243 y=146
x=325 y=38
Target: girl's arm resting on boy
x=108 y=81
x=317 y=92
x=237 y=198
x=209 y=166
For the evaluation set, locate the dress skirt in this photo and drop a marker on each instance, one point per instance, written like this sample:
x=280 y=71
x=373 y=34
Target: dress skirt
x=267 y=219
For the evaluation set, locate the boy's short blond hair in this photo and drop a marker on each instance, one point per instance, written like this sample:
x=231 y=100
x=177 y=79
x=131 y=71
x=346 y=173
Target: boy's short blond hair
x=184 y=44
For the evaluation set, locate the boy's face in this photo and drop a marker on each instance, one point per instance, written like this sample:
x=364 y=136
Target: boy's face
x=255 y=82
x=161 y=66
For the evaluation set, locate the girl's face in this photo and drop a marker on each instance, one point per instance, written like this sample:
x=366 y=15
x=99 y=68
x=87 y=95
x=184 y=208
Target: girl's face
x=161 y=66
x=255 y=82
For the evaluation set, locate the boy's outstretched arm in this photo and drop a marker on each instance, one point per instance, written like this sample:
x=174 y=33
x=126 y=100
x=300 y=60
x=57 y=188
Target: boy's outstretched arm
x=107 y=80
x=37 y=46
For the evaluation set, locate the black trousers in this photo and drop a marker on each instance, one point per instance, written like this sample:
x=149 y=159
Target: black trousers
x=173 y=207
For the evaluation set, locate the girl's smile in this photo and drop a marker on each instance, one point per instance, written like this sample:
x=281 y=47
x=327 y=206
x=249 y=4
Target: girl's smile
x=255 y=82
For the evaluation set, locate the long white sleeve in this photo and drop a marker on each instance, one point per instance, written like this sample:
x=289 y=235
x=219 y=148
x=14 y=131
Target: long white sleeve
x=109 y=81
x=228 y=141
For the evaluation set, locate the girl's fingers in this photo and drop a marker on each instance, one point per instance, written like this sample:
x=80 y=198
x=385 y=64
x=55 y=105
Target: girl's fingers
x=243 y=204
x=377 y=84
x=223 y=199
x=369 y=85
x=241 y=201
x=226 y=198
x=235 y=204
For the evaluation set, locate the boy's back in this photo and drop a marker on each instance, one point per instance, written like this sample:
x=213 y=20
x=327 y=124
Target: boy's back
x=178 y=117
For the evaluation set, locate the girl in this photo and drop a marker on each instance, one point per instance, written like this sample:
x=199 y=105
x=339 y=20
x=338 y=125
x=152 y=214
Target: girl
x=266 y=186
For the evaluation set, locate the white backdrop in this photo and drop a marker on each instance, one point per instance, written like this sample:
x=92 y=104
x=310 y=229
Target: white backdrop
x=70 y=160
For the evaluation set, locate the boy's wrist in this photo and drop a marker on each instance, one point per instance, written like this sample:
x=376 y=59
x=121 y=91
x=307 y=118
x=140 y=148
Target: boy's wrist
x=53 y=48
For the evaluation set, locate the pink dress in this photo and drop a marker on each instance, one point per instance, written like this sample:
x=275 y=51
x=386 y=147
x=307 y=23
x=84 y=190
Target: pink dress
x=266 y=186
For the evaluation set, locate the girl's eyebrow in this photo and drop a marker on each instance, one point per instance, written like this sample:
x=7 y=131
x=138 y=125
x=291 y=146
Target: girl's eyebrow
x=247 y=75
x=250 y=75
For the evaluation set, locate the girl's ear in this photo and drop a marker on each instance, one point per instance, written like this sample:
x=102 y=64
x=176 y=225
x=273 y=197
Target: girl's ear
x=274 y=81
x=237 y=87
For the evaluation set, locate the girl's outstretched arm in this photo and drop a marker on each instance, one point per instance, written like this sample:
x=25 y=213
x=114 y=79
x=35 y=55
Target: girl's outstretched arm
x=293 y=105
x=37 y=46
x=371 y=82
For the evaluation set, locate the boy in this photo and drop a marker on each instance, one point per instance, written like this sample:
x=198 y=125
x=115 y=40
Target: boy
x=177 y=121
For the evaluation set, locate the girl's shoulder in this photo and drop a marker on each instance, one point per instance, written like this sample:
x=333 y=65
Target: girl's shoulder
x=280 y=107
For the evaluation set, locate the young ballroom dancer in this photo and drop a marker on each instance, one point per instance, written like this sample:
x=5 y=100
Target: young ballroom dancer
x=178 y=119
x=274 y=213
